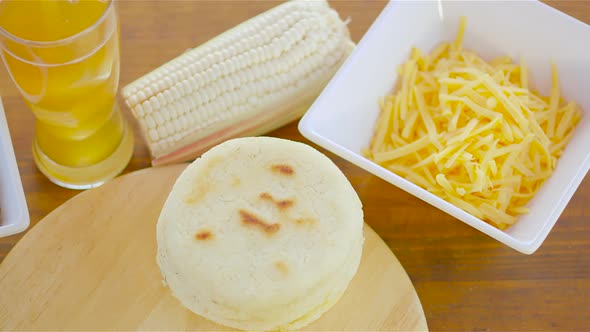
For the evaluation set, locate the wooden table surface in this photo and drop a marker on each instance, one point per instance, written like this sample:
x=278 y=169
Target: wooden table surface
x=465 y=280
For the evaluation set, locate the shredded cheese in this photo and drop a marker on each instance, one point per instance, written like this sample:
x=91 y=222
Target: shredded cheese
x=473 y=132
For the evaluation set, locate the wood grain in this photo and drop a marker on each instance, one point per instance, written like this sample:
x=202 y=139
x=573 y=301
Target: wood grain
x=95 y=257
x=466 y=280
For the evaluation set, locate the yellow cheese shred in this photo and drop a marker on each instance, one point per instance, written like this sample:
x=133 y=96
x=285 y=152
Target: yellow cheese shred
x=473 y=132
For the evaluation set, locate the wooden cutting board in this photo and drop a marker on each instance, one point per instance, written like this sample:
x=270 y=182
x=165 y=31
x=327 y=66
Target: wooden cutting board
x=90 y=265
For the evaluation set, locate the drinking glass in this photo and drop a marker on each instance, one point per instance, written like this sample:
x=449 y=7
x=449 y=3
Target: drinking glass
x=64 y=58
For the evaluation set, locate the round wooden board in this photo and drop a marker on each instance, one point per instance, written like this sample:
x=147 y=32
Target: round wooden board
x=90 y=265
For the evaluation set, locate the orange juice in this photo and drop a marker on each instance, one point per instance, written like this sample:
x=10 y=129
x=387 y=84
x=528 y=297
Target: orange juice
x=64 y=58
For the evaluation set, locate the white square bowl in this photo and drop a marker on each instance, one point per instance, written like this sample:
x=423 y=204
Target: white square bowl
x=14 y=217
x=342 y=118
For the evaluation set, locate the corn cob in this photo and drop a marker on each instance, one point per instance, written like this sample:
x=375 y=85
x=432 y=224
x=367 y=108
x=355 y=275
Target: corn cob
x=254 y=78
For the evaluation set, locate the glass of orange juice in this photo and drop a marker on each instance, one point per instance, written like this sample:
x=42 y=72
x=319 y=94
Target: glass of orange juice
x=64 y=58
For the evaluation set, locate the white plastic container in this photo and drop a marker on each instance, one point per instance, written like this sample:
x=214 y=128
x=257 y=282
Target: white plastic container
x=342 y=118
x=14 y=217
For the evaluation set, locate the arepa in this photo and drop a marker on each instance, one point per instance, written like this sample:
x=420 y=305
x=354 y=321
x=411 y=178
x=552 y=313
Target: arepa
x=260 y=234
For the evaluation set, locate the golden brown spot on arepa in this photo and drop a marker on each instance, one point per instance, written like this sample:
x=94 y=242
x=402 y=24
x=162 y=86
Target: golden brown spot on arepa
x=250 y=219
x=283 y=169
x=266 y=196
x=305 y=221
x=198 y=193
x=204 y=235
x=281 y=204
x=282 y=267
x=236 y=181
x=202 y=187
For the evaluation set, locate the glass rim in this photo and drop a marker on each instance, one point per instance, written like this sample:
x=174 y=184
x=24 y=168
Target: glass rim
x=59 y=42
